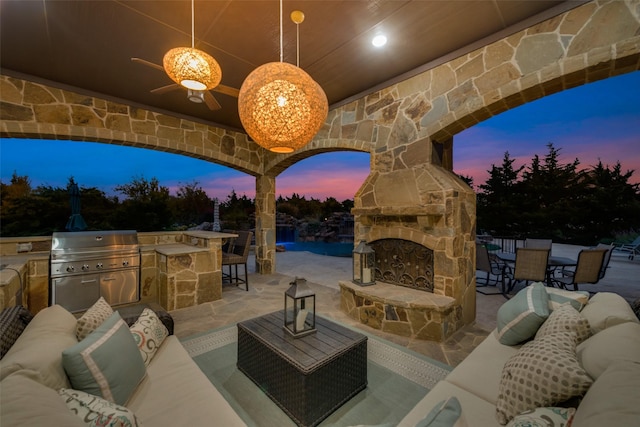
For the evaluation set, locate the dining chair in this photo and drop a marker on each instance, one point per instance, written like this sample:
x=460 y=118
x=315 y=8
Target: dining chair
x=569 y=272
x=237 y=255
x=538 y=244
x=530 y=265
x=607 y=258
x=493 y=268
x=588 y=269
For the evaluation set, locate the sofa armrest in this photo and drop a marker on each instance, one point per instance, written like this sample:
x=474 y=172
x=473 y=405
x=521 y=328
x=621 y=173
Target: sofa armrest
x=13 y=320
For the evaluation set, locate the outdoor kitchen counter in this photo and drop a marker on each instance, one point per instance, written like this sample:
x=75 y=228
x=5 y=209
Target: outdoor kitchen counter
x=183 y=273
x=173 y=249
x=14 y=273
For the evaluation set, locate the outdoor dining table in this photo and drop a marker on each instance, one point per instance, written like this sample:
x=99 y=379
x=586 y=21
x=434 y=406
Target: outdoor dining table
x=553 y=262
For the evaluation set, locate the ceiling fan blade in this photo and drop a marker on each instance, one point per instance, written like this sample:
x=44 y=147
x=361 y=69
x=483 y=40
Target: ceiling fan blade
x=226 y=90
x=147 y=63
x=165 y=89
x=211 y=102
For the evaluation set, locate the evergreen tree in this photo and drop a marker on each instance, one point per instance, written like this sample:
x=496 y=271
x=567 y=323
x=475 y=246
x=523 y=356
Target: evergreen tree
x=497 y=204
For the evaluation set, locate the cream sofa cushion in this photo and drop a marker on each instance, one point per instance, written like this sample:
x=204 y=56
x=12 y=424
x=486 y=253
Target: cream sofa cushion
x=606 y=309
x=40 y=347
x=27 y=402
x=617 y=343
x=613 y=399
x=175 y=392
x=480 y=372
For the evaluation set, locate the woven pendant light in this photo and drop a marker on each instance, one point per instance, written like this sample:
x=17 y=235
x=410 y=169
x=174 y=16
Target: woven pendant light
x=280 y=106
x=190 y=67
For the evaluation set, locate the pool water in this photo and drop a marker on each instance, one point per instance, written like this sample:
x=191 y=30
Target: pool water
x=321 y=248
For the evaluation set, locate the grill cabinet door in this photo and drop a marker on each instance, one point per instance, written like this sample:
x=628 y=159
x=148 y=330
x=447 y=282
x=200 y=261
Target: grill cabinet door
x=76 y=293
x=120 y=287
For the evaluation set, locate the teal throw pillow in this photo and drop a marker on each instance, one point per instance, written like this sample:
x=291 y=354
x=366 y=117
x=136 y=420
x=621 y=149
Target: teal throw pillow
x=447 y=413
x=107 y=363
x=521 y=316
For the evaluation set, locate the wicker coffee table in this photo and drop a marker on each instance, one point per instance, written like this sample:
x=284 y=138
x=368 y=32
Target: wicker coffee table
x=308 y=377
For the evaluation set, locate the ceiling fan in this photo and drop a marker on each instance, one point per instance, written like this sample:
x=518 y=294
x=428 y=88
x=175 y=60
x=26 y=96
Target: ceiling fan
x=197 y=96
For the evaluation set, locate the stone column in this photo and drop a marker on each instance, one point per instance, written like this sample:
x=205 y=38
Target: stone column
x=265 y=224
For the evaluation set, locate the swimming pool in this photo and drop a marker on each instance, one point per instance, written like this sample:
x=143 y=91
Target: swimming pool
x=321 y=248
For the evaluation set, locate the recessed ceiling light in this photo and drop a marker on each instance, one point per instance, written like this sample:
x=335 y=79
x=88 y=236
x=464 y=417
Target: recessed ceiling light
x=379 y=40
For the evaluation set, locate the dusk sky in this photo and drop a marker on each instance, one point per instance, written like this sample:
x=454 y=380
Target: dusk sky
x=599 y=120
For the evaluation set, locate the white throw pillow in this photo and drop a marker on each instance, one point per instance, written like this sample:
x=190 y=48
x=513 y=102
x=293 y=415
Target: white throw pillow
x=149 y=332
x=544 y=417
x=96 y=411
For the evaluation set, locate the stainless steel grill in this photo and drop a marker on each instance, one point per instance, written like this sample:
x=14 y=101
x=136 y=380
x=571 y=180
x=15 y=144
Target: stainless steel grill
x=86 y=265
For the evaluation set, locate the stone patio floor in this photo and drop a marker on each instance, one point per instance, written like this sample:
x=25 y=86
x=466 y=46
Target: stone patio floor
x=266 y=294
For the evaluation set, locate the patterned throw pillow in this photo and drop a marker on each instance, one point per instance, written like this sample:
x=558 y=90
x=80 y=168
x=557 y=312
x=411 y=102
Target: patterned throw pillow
x=558 y=297
x=544 y=417
x=97 y=412
x=148 y=332
x=521 y=316
x=542 y=373
x=566 y=319
x=98 y=313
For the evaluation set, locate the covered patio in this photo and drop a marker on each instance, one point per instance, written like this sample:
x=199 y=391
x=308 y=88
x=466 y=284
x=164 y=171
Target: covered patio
x=324 y=272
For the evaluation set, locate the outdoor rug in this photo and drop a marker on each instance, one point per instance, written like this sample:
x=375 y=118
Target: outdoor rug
x=398 y=378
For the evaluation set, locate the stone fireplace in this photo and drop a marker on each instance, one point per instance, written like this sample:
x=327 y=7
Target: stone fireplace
x=421 y=222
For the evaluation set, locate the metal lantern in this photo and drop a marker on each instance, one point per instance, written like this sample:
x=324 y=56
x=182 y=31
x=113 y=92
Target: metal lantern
x=299 y=309
x=364 y=264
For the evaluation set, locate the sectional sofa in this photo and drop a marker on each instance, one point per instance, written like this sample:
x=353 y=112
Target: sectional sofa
x=166 y=389
x=162 y=386
x=515 y=365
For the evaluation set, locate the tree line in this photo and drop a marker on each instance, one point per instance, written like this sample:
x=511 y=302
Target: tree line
x=142 y=205
x=548 y=199
x=543 y=199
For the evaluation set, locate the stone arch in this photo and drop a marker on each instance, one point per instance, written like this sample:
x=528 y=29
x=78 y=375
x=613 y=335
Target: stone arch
x=38 y=111
x=279 y=164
